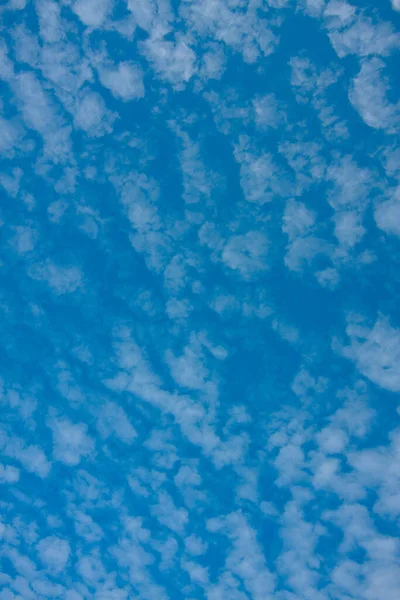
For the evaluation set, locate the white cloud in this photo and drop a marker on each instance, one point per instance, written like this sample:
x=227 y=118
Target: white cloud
x=247 y=253
x=11 y=182
x=375 y=351
x=188 y=370
x=299 y=224
x=213 y=63
x=164 y=453
x=307 y=161
x=16 y=4
x=348 y=228
x=196 y=181
x=47 y=589
x=242 y=30
x=125 y=81
x=147 y=13
x=363 y=37
x=195 y=545
x=351 y=185
x=245 y=559
x=86 y=527
x=298 y=220
x=178 y=309
x=332 y=440
x=24 y=239
x=92 y=116
x=54 y=553
x=261 y=179
x=32 y=458
x=62 y=280
x=173 y=61
x=314 y=7
x=298 y=561
x=387 y=214
x=169 y=515
x=38 y=110
x=112 y=420
x=304 y=250
x=41 y=114
x=328 y=278
x=267 y=112
x=8 y=474
x=71 y=441
x=10 y=136
x=92 y=13
x=51 y=28
x=368 y=94
x=377 y=468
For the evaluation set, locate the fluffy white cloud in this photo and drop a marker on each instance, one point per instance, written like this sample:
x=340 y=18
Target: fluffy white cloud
x=246 y=253
x=375 y=351
x=368 y=94
x=71 y=441
x=387 y=214
x=92 y=116
x=92 y=13
x=8 y=474
x=125 y=81
x=396 y=4
x=62 y=280
x=54 y=553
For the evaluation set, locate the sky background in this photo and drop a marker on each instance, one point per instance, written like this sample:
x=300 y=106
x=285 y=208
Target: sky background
x=199 y=296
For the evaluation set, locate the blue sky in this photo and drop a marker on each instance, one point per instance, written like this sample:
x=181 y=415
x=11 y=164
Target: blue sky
x=200 y=323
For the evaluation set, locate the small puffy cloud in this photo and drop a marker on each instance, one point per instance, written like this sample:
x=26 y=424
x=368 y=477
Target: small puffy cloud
x=92 y=116
x=175 y=62
x=178 y=310
x=9 y=474
x=11 y=182
x=62 y=280
x=10 y=136
x=71 y=441
x=54 y=553
x=195 y=545
x=241 y=30
x=350 y=184
x=267 y=112
x=332 y=440
x=360 y=36
x=260 y=177
x=188 y=369
x=86 y=527
x=112 y=420
x=31 y=457
x=169 y=515
x=24 y=239
x=328 y=278
x=299 y=226
x=387 y=214
x=368 y=94
x=41 y=114
x=16 y=4
x=125 y=81
x=375 y=351
x=348 y=228
x=246 y=254
x=92 y=13
x=51 y=29
x=298 y=220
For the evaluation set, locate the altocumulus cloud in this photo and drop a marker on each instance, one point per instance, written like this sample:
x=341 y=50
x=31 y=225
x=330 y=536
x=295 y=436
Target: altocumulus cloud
x=200 y=327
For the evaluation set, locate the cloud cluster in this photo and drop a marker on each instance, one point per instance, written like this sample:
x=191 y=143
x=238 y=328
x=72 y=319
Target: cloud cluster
x=200 y=358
